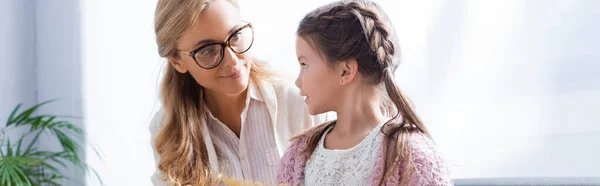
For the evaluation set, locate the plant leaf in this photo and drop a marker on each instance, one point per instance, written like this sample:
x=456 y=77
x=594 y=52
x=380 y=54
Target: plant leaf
x=48 y=121
x=56 y=160
x=51 y=167
x=12 y=168
x=24 y=116
x=19 y=145
x=2 y=145
x=40 y=167
x=21 y=175
x=11 y=118
x=3 y=173
x=8 y=148
x=67 y=143
x=35 y=122
x=67 y=125
x=88 y=169
x=29 y=147
x=51 y=181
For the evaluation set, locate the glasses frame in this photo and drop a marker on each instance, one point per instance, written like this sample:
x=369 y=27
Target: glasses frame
x=223 y=45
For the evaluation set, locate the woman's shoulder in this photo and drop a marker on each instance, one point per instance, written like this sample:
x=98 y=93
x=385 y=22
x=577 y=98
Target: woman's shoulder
x=284 y=87
x=283 y=90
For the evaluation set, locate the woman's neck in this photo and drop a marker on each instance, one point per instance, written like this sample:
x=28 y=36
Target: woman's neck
x=227 y=108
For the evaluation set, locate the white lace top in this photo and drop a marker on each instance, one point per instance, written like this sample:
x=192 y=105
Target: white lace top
x=344 y=167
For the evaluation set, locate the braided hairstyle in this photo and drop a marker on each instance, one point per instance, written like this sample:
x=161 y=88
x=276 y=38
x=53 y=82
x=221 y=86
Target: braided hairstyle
x=360 y=29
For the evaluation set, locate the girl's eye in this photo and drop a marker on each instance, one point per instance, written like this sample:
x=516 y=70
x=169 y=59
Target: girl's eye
x=303 y=65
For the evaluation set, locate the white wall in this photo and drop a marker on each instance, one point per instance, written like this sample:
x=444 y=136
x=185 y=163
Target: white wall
x=39 y=61
x=58 y=60
x=17 y=59
x=17 y=55
x=120 y=73
x=511 y=87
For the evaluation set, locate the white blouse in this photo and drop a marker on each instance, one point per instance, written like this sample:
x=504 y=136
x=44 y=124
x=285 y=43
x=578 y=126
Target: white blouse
x=253 y=156
x=350 y=167
x=274 y=113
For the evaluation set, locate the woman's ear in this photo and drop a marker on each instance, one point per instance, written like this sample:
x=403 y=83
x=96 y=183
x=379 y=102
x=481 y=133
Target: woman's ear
x=178 y=64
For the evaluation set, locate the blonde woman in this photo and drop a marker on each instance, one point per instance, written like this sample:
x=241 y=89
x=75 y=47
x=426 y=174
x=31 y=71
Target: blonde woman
x=222 y=111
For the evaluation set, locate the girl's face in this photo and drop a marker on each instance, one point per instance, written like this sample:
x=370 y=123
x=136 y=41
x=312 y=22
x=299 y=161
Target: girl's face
x=317 y=81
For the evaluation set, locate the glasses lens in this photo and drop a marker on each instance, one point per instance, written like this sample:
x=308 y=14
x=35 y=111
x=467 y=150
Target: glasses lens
x=209 y=56
x=242 y=40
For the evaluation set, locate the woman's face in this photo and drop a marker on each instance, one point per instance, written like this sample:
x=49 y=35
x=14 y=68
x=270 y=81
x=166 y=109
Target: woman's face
x=218 y=22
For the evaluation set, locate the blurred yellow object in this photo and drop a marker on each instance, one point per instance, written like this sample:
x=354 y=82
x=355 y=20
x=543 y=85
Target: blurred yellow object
x=235 y=182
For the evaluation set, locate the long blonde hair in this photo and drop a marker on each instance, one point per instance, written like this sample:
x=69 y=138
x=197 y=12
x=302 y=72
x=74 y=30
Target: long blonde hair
x=361 y=30
x=179 y=143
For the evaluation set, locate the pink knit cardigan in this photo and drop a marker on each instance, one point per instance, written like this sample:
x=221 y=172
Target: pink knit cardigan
x=430 y=168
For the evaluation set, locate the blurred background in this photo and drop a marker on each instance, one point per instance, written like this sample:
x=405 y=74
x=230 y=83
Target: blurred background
x=508 y=88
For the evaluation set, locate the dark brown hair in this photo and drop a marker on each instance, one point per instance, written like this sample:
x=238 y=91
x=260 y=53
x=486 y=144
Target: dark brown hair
x=361 y=30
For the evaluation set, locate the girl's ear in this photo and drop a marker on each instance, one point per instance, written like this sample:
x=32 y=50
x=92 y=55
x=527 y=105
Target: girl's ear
x=347 y=70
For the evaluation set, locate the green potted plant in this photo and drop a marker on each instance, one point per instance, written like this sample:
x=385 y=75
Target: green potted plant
x=23 y=163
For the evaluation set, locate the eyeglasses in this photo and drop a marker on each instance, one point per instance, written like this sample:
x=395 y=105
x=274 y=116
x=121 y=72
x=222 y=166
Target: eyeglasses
x=210 y=55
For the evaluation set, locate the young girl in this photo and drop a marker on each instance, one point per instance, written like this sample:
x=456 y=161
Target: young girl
x=347 y=55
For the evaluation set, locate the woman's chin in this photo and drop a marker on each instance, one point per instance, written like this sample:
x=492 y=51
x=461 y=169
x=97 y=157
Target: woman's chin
x=234 y=87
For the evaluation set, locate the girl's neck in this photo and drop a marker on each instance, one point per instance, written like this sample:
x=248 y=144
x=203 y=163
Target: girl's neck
x=359 y=112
